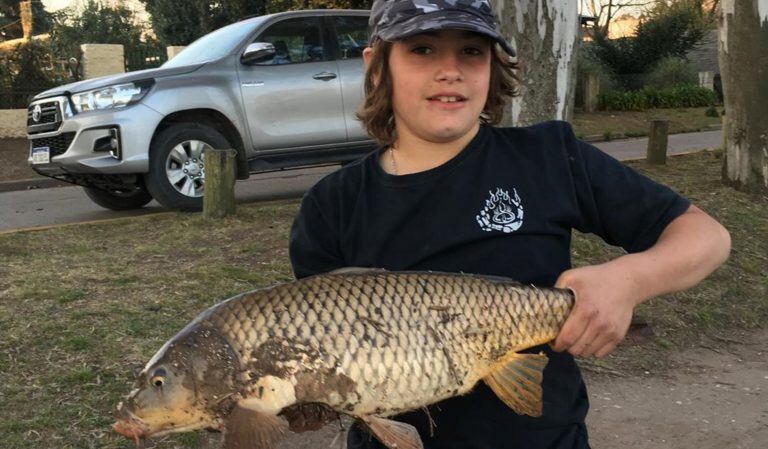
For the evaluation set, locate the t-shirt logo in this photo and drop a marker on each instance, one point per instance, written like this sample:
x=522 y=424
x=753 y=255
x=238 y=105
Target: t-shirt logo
x=502 y=212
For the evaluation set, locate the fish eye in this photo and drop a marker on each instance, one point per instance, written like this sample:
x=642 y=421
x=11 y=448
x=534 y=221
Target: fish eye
x=158 y=378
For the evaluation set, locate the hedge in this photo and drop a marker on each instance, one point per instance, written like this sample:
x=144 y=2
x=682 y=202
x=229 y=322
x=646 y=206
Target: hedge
x=683 y=96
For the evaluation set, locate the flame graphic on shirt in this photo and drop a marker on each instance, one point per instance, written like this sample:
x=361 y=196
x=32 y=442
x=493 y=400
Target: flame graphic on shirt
x=502 y=212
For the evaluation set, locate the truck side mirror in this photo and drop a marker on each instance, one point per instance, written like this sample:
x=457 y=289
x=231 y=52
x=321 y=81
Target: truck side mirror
x=258 y=52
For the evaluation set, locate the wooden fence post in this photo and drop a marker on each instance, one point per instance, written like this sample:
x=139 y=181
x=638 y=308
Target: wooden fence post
x=657 y=142
x=219 y=192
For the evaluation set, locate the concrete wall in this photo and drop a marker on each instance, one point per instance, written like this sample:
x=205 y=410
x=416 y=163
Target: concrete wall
x=174 y=50
x=102 y=59
x=13 y=123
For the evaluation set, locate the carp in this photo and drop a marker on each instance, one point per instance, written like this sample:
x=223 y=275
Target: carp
x=366 y=343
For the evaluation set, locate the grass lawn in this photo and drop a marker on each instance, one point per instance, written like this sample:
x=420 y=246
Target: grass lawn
x=82 y=306
x=614 y=124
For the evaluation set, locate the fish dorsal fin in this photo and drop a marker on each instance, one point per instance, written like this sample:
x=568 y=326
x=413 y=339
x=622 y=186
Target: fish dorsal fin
x=393 y=434
x=249 y=429
x=516 y=380
x=356 y=270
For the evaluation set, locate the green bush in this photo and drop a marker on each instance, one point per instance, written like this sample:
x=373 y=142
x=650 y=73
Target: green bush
x=25 y=70
x=682 y=96
x=671 y=72
x=712 y=112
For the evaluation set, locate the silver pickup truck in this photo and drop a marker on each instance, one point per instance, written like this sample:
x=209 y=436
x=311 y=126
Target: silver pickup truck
x=281 y=89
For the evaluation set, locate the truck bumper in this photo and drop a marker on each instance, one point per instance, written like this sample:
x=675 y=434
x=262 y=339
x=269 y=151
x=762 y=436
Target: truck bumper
x=98 y=142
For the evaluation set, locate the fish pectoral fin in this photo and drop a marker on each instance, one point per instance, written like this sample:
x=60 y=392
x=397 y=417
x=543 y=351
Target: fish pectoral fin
x=516 y=380
x=249 y=429
x=393 y=434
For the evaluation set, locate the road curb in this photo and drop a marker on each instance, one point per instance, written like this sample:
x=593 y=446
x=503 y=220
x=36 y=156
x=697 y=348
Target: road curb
x=29 y=184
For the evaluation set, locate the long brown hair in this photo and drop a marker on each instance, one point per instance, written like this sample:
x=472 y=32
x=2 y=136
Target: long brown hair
x=376 y=112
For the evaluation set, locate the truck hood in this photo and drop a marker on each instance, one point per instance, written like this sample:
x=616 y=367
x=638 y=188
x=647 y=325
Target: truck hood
x=120 y=78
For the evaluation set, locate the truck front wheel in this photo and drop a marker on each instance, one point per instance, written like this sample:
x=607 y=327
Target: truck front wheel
x=176 y=177
x=119 y=199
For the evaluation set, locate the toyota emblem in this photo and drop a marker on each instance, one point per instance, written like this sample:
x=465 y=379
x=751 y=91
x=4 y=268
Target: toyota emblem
x=36 y=113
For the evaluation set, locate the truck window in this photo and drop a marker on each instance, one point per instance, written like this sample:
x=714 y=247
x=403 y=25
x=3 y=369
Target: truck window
x=352 y=36
x=295 y=40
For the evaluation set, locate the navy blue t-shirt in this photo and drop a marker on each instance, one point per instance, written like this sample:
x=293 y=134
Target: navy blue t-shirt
x=505 y=205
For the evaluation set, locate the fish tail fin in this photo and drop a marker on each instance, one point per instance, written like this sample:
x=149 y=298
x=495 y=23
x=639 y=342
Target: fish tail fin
x=516 y=380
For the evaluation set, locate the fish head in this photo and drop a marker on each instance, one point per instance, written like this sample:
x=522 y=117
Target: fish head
x=186 y=386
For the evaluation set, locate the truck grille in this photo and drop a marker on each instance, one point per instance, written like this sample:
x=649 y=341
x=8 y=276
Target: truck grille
x=49 y=120
x=58 y=145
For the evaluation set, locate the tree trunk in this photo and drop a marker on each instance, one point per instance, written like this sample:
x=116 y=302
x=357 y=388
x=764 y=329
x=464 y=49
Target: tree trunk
x=743 y=49
x=545 y=35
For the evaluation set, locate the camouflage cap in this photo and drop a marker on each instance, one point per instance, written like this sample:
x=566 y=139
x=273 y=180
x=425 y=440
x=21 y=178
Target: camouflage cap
x=392 y=20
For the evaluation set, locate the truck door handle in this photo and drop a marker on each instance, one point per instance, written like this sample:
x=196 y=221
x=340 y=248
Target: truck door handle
x=325 y=76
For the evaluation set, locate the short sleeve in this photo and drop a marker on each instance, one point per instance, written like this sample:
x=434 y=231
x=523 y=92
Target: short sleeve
x=313 y=246
x=616 y=202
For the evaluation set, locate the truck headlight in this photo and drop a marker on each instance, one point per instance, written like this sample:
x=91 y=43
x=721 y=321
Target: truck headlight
x=111 y=97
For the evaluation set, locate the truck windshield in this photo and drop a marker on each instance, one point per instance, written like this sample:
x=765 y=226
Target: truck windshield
x=214 y=45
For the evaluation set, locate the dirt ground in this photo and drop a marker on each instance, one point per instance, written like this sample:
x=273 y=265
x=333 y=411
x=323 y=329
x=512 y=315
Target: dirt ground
x=712 y=397
x=13 y=160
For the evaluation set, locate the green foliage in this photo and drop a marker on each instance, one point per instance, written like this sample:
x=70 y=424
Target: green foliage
x=25 y=71
x=181 y=26
x=682 y=96
x=712 y=112
x=671 y=71
x=26 y=66
x=174 y=25
x=95 y=23
x=10 y=20
x=670 y=30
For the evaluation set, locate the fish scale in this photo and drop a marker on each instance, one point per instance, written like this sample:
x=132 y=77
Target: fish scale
x=449 y=326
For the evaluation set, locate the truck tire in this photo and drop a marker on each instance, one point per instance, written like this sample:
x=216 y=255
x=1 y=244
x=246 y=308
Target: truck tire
x=119 y=200
x=176 y=172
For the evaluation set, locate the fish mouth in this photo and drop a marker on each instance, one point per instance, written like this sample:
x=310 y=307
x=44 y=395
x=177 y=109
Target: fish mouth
x=129 y=425
x=133 y=430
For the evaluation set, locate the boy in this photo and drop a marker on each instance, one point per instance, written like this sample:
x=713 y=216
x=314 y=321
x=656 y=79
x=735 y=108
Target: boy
x=446 y=192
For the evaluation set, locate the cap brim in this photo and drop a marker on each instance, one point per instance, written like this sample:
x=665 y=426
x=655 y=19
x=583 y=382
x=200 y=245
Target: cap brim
x=445 y=20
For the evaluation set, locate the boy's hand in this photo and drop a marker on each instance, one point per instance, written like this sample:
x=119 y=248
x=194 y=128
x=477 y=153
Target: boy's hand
x=605 y=300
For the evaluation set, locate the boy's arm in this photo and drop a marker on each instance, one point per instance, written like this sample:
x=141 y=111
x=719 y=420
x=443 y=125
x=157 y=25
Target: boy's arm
x=688 y=250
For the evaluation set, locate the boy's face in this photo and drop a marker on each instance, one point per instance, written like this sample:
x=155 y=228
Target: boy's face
x=440 y=83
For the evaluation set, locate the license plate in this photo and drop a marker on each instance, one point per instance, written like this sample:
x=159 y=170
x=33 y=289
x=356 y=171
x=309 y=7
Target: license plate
x=41 y=155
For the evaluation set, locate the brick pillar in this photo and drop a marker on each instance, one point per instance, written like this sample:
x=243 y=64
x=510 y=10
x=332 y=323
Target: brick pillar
x=174 y=50
x=102 y=59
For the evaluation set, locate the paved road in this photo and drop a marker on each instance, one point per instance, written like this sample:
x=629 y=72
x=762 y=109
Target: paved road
x=45 y=207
